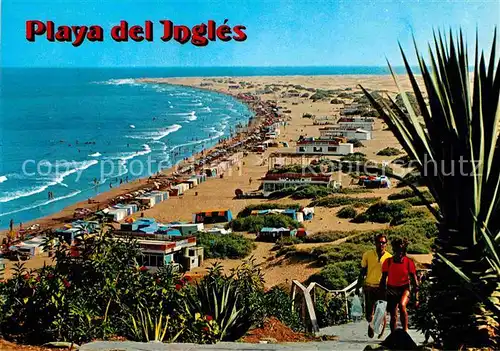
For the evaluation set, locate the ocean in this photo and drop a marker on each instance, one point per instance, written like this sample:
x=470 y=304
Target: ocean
x=73 y=132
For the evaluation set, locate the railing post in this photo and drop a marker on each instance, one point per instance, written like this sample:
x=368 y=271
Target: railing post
x=346 y=305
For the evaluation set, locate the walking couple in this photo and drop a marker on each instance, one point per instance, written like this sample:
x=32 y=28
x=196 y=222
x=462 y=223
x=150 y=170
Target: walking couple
x=388 y=277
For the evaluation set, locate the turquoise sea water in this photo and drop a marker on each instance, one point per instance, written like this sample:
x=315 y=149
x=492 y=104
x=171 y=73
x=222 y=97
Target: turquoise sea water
x=61 y=129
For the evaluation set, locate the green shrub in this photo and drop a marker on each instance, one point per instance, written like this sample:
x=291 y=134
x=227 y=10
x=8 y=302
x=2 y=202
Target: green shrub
x=403 y=161
x=311 y=192
x=354 y=157
x=336 y=101
x=224 y=246
x=278 y=303
x=356 y=142
x=410 y=196
x=411 y=215
x=346 y=95
x=353 y=191
x=286 y=250
x=302 y=192
x=417 y=201
x=254 y=224
x=403 y=194
x=347 y=212
x=413 y=178
x=383 y=212
x=330 y=309
x=284 y=243
x=266 y=206
x=389 y=151
x=235 y=303
x=336 y=201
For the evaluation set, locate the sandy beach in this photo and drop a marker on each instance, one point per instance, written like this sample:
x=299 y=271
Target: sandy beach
x=219 y=193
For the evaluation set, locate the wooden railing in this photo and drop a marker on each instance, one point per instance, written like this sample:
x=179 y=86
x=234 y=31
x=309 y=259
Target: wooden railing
x=308 y=312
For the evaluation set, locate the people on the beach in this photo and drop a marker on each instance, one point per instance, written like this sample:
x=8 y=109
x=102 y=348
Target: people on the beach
x=399 y=280
x=371 y=269
x=11 y=225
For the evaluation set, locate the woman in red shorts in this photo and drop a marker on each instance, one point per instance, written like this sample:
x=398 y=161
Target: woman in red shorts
x=397 y=272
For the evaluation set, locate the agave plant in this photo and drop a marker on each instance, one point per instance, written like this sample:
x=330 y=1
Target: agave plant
x=144 y=327
x=457 y=150
x=217 y=296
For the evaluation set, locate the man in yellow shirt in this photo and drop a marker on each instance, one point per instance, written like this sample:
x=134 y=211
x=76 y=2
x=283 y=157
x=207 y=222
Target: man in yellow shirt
x=371 y=268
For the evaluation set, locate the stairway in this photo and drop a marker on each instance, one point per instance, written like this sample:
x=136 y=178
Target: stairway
x=354 y=335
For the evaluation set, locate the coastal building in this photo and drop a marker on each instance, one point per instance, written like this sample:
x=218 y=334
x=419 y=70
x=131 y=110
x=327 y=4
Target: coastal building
x=272 y=182
x=163 y=244
x=159 y=253
x=364 y=123
x=324 y=147
x=349 y=133
x=274 y=234
x=148 y=227
x=213 y=216
x=119 y=212
x=152 y=198
x=324 y=120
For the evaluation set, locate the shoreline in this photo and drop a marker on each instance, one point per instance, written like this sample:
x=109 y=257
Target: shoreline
x=103 y=199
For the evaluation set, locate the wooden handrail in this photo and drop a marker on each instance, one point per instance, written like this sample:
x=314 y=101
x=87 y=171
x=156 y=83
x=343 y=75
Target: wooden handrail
x=309 y=300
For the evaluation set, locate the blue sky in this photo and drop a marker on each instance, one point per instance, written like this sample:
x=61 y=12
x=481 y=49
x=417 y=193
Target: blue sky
x=280 y=33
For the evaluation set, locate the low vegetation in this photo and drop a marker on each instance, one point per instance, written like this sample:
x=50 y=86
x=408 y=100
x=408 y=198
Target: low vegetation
x=336 y=201
x=337 y=101
x=389 y=151
x=356 y=142
x=414 y=178
x=104 y=293
x=347 y=212
x=403 y=161
x=225 y=246
x=330 y=310
x=355 y=157
x=383 y=212
x=409 y=196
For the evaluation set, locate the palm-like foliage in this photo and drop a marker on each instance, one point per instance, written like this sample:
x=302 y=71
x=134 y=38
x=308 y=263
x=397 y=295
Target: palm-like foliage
x=457 y=151
x=218 y=297
x=144 y=327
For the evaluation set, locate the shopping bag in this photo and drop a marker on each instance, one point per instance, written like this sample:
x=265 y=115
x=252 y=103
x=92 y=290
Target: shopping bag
x=356 y=308
x=379 y=316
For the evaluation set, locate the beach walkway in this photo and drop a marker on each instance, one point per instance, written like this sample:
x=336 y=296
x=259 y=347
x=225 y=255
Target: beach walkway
x=351 y=336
